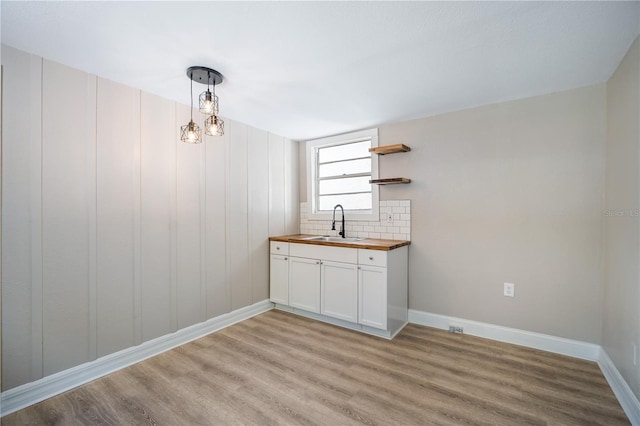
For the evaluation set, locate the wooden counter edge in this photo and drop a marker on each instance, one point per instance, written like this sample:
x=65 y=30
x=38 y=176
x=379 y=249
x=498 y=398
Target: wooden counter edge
x=365 y=243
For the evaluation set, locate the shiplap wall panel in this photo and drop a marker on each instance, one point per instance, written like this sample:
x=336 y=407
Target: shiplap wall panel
x=276 y=185
x=291 y=204
x=157 y=130
x=218 y=291
x=68 y=136
x=117 y=181
x=141 y=234
x=258 y=206
x=188 y=218
x=237 y=236
x=18 y=134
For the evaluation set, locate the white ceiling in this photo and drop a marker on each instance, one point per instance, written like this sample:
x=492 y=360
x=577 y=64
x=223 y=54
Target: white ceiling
x=311 y=69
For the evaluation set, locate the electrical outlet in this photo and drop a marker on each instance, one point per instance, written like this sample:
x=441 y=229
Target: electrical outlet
x=509 y=289
x=389 y=219
x=455 y=329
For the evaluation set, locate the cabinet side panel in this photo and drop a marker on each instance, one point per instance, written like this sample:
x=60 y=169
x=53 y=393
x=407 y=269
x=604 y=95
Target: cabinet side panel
x=397 y=290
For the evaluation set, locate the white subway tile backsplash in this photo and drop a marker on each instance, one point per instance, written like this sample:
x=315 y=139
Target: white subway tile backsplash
x=398 y=229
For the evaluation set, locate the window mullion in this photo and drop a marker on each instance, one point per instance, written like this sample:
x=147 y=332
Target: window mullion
x=345 y=176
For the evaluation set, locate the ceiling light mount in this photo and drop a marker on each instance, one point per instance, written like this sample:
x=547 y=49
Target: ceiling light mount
x=204 y=75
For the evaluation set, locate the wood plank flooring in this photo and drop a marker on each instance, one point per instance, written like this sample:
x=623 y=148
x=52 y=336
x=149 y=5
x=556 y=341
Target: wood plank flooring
x=279 y=368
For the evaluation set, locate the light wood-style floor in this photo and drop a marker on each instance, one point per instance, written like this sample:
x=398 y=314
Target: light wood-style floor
x=278 y=368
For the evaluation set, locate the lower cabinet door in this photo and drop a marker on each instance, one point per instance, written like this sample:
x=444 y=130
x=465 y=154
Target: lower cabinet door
x=279 y=279
x=304 y=284
x=339 y=291
x=372 y=296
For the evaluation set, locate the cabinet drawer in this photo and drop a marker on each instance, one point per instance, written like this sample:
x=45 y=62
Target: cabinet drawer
x=372 y=257
x=278 y=247
x=335 y=254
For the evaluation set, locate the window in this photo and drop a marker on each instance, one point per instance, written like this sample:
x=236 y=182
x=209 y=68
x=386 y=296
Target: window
x=339 y=169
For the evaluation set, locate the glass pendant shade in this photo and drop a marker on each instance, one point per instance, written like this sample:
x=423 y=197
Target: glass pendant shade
x=214 y=126
x=208 y=103
x=190 y=133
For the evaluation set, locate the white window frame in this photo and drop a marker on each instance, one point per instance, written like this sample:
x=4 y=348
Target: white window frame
x=312 y=173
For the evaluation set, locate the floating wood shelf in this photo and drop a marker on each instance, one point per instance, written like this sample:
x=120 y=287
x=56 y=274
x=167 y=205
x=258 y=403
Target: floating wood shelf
x=390 y=149
x=390 y=181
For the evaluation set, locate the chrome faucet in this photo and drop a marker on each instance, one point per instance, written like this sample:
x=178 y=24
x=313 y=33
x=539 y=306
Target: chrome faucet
x=333 y=224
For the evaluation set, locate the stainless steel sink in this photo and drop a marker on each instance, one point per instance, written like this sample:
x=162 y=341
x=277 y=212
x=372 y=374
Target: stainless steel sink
x=334 y=239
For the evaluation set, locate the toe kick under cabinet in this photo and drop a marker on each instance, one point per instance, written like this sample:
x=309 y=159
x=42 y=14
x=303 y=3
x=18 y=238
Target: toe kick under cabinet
x=357 y=288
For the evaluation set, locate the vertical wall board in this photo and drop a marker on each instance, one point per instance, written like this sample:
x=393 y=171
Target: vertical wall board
x=291 y=192
x=188 y=223
x=237 y=236
x=117 y=146
x=202 y=237
x=67 y=109
x=157 y=131
x=258 y=207
x=35 y=219
x=92 y=213
x=17 y=134
x=173 y=215
x=218 y=292
x=276 y=185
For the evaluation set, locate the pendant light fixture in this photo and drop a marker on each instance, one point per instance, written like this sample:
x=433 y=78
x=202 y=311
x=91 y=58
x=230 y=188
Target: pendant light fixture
x=208 y=103
x=208 y=100
x=190 y=133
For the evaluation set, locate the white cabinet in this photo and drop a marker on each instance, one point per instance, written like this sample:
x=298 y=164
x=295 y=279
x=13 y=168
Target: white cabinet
x=304 y=283
x=279 y=279
x=356 y=288
x=339 y=290
x=279 y=272
x=372 y=296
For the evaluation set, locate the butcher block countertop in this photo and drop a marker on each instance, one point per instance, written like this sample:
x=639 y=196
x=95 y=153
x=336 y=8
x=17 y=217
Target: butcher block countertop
x=365 y=243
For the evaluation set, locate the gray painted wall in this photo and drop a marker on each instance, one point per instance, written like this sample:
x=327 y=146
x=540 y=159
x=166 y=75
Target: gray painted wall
x=511 y=192
x=113 y=231
x=621 y=314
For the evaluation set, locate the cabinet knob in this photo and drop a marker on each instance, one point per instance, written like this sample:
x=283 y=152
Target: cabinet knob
x=317 y=263
x=370 y=257
x=277 y=248
x=286 y=258
x=359 y=267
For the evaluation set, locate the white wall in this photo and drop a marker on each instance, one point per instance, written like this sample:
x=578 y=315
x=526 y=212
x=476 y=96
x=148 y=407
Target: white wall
x=113 y=231
x=621 y=313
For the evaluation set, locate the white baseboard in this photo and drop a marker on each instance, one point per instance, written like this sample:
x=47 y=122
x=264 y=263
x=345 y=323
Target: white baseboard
x=559 y=345
x=30 y=393
x=620 y=388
